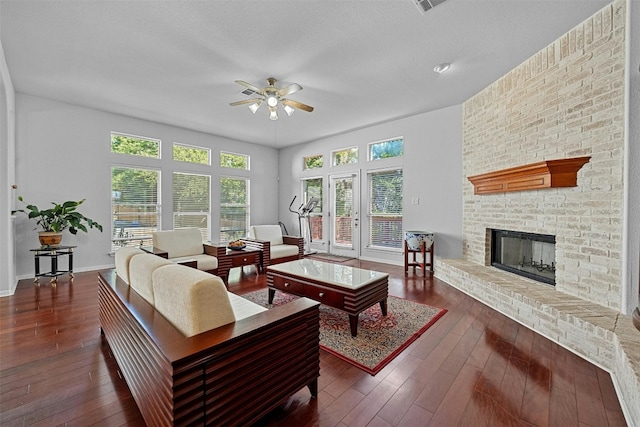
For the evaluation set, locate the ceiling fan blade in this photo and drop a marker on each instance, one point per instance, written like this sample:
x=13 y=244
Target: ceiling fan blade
x=245 y=101
x=250 y=86
x=296 y=104
x=288 y=90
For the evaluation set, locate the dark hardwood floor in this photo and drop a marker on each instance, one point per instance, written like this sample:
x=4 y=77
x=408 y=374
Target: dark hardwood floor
x=474 y=367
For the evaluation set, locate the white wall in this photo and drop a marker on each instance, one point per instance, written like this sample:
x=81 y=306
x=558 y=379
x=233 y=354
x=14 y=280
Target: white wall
x=7 y=178
x=63 y=153
x=432 y=165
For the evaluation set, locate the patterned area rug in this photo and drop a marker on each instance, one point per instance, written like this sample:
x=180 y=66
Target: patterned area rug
x=380 y=339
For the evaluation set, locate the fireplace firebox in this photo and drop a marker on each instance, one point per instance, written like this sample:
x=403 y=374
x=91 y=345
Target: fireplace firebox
x=527 y=254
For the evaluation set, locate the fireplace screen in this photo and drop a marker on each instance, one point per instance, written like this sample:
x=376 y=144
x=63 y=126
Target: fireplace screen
x=527 y=254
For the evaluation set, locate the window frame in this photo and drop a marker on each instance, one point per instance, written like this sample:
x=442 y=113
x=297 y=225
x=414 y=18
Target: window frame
x=315 y=156
x=125 y=238
x=204 y=231
x=247 y=206
x=384 y=141
x=193 y=147
x=343 y=150
x=246 y=156
x=145 y=138
x=371 y=216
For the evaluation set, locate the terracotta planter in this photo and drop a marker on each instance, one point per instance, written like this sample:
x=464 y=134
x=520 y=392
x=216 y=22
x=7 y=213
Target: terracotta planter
x=49 y=238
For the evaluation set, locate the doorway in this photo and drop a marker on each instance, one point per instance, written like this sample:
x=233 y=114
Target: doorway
x=344 y=222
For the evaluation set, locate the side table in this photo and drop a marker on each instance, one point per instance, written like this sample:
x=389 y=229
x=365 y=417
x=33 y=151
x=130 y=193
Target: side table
x=53 y=252
x=423 y=264
x=238 y=258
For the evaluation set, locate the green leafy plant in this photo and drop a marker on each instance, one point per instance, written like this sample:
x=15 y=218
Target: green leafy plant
x=60 y=217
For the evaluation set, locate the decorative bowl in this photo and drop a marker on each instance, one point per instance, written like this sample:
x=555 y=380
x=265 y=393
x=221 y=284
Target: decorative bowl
x=414 y=239
x=236 y=245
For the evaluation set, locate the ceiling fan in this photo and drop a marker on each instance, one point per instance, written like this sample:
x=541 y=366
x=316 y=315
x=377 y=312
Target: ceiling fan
x=272 y=96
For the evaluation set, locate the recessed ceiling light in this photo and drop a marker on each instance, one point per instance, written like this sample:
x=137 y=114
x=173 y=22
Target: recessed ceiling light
x=442 y=68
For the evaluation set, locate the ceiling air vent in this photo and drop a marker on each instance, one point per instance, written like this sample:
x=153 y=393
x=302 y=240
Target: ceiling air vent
x=249 y=92
x=425 y=5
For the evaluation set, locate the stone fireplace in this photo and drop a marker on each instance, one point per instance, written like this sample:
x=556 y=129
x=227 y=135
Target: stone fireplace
x=564 y=102
x=526 y=254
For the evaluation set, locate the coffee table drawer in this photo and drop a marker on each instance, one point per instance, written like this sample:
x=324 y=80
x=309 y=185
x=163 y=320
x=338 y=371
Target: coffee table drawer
x=288 y=285
x=325 y=296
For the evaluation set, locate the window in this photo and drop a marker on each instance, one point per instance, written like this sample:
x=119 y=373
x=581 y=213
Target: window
x=234 y=208
x=135 y=205
x=313 y=162
x=190 y=154
x=312 y=187
x=135 y=145
x=385 y=209
x=345 y=157
x=386 y=149
x=236 y=161
x=191 y=202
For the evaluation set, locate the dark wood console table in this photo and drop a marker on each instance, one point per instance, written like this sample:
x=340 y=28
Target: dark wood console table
x=53 y=252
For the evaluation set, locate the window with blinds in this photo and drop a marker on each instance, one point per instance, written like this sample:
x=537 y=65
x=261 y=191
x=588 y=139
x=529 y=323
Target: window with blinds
x=385 y=209
x=312 y=187
x=234 y=208
x=135 y=205
x=192 y=202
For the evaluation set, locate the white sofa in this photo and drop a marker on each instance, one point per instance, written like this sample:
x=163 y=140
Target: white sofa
x=192 y=300
x=193 y=353
x=184 y=245
x=276 y=247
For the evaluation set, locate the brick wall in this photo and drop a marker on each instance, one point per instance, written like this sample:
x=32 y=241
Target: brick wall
x=565 y=101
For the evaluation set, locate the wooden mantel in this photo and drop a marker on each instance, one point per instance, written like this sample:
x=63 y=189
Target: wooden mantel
x=534 y=176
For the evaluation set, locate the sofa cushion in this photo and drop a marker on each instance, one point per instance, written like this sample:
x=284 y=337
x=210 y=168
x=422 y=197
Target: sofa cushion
x=272 y=233
x=180 y=242
x=140 y=269
x=192 y=300
x=281 y=251
x=243 y=308
x=123 y=257
x=205 y=262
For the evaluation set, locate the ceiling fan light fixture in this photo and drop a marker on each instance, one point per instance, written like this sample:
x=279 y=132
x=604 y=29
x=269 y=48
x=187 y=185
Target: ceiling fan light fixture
x=288 y=110
x=272 y=101
x=441 y=68
x=273 y=113
x=255 y=106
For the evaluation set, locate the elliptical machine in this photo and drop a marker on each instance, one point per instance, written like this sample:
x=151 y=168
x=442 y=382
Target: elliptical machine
x=303 y=213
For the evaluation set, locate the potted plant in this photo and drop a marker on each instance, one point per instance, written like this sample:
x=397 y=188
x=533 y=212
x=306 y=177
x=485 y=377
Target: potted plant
x=55 y=220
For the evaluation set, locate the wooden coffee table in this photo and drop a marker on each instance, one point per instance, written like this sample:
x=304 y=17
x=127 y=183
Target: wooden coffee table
x=349 y=289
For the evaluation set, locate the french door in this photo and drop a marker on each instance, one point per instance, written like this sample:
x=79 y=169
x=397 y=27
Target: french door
x=344 y=222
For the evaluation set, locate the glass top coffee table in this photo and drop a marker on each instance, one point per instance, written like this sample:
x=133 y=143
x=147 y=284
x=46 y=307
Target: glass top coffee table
x=346 y=288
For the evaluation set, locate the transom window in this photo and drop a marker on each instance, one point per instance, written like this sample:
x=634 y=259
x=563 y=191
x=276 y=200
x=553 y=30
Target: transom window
x=386 y=149
x=233 y=160
x=345 y=156
x=135 y=145
x=314 y=162
x=191 y=154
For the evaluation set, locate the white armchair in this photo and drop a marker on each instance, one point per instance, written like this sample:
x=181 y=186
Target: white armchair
x=275 y=246
x=185 y=246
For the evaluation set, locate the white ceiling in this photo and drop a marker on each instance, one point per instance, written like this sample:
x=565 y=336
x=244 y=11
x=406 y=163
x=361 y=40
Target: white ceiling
x=360 y=62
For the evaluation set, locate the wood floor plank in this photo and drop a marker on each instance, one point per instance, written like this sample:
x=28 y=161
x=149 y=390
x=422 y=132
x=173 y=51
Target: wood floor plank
x=474 y=367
